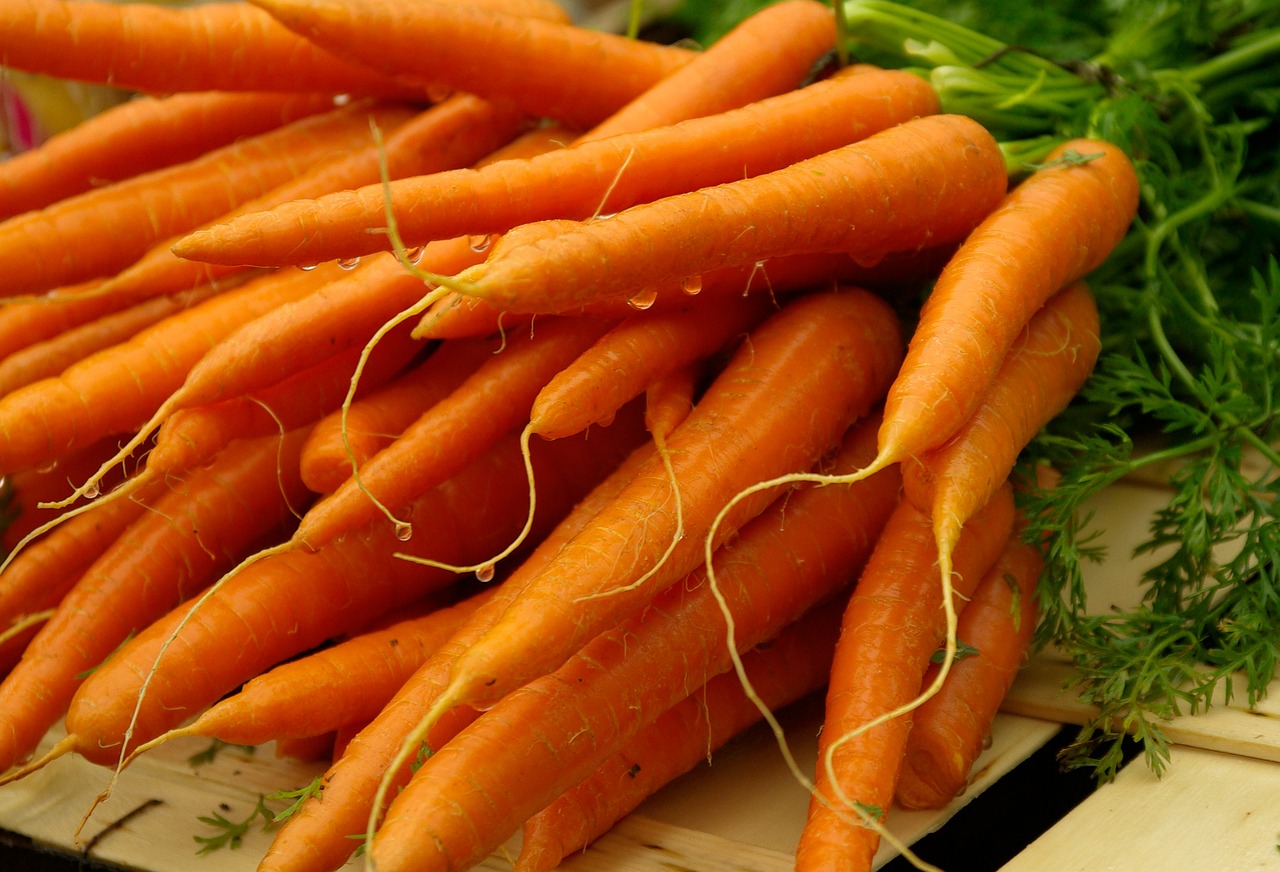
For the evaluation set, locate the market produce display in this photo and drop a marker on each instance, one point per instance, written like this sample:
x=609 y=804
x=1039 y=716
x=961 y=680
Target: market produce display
x=564 y=402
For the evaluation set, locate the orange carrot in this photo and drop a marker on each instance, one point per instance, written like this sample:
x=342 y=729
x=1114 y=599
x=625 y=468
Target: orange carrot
x=948 y=729
x=24 y=324
x=189 y=437
x=670 y=399
x=867 y=199
x=781 y=671
x=769 y=52
x=1046 y=366
x=451 y=134
x=346 y=683
x=591 y=178
x=50 y=357
x=162 y=50
x=292 y=601
x=634 y=354
x=806 y=547
x=1053 y=228
x=40 y=576
x=103 y=230
x=819 y=363
x=192 y=534
x=27 y=490
x=339 y=442
x=140 y=135
x=892 y=626
x=491 y=401
x=458 y=315
x=111 y=391
x=317 y=836
x=546 y=68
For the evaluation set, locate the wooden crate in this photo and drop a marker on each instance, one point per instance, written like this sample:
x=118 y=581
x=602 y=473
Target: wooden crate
x=743 y=811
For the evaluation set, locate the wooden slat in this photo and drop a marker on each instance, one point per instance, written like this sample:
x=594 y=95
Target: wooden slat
x=1209 y=811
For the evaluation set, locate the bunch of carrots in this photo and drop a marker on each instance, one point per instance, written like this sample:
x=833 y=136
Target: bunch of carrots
x=415 y=380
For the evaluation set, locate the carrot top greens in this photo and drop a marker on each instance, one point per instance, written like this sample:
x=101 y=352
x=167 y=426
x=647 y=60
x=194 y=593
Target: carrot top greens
x=1189 y=305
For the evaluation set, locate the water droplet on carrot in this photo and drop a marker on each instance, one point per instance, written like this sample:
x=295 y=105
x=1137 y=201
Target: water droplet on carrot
x=46 y=467
x=480 y=243
x=307 y=267
x=91 y=492
x=439 y=93
x=691 y=285
x=605 y=216
x=348 y=262
x=643 y=300
x=485 y=573
x=404 y=532
x=413 y=255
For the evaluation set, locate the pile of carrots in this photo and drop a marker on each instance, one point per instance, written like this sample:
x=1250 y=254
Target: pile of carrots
x=516 y=411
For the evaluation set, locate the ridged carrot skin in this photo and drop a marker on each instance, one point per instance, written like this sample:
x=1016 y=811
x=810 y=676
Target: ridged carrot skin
x=1053 y=228
x=548 y=69
x=140 y=135
x=103 y=230
x=373 y=421
x=949 y=729
x=598 y=176
x=292 y=601
x=790 y=666
x=820 y=363
x=806 y=547
x=110 y=392
x=1047 y=365
x=162 y=50
x=868 y=199
x=892 y=626
x=197 y=530
x=451 y=134
x=315 y=839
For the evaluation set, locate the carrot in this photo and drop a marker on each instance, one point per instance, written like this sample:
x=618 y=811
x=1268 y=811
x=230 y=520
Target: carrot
x=769 y=52
x=545 y=68
x=867 y=199
x=670 y=399
x=782 y=670
x=189 y=437
x=162 y=50
x=948 y=730
x=340 y=443
x=1046 y=366
x=634 y=354
x=99 y=232
x=346 y=683
x=451 y=134
x=317 y=836
x=492 y=401
x=588 y=178
x=819 y=363
x=293 y=600
x=24 y=324
x=38 y=578
x=457 y=315
x=805 y=548
x=50 y=357
x=111 y=391
x=192 y=534
x=1052 y=229
x=140 y=135
x=892 y=626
